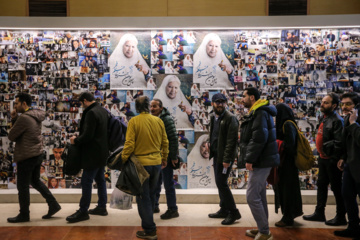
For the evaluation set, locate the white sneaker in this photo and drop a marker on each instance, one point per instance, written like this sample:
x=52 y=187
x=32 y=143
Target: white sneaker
x=261 y=236
x=251 y=232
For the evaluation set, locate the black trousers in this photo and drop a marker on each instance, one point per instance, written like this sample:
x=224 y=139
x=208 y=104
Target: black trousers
x=28 y=172
x=329 y=173
x=227 y=202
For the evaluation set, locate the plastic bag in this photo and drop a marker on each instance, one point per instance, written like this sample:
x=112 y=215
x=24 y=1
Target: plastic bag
x=120 y=200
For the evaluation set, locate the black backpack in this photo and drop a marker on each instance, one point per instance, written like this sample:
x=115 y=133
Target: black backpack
x=116 y=132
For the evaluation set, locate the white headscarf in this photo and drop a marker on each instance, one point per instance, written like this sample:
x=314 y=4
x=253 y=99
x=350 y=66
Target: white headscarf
x=170 y=46
x=123 y=68
x=188 y=61
x=207 y=70
x=181 y=118
x=198 y=127
x=200 y=170
x=169 y=68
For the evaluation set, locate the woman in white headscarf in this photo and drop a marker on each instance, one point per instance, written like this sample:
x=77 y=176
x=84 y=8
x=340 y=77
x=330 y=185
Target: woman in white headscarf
x=196 y=105
x=174 y=100
x=188 y=62
x=170 y=46
x=212 y=69
x=190 y=37
x=151 y=85
x=154 y=46
x=128 y=69
x=129 y=97
x=115 y=110
x=200 y=170
x=198 y=127
x=195 y=92
x=169 y=68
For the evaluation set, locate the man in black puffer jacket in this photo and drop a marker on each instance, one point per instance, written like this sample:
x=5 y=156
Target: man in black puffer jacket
x=167 y=174
x=259 y=152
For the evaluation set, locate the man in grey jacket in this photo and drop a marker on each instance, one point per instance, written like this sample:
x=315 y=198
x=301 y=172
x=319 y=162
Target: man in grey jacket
x=28 y=155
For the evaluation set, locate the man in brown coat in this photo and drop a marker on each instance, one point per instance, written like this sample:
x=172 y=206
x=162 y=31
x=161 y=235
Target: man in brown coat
x=26 y=132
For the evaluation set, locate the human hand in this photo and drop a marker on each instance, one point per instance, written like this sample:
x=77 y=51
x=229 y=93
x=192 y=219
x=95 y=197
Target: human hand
x=340 y=164
x=185 y=108
x=226 y=165
x=249 y=166
x=174 y=162
x=13 y=114
x=72 y=139
x=353 y=116
x=163 y=164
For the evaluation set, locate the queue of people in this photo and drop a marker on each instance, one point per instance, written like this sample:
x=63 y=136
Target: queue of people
x=151 y=137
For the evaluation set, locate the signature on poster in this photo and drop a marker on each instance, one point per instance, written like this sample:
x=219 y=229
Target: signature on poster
x=127 y=78
x=210 y=76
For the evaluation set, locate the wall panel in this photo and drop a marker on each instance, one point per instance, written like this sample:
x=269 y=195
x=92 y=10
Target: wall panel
x=112 y=8
x=322 y=7
x=13 y=8
x=217 y=8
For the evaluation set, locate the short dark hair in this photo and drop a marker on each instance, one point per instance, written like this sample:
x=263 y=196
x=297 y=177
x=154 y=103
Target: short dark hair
x=86 y=95
x=335 y=98
x=352 y=95
x=251 y=91
x=159 y=101
x=142 y=104
x=24 y=97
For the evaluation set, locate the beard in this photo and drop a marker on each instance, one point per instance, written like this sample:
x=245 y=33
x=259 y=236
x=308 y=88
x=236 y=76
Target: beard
x=219 y=111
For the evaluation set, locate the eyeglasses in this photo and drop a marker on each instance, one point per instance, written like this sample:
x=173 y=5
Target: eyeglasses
x=347 y=104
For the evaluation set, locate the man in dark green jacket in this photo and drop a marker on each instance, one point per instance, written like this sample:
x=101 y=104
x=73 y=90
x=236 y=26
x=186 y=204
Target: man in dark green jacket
x=223 y=140
x=166 y=175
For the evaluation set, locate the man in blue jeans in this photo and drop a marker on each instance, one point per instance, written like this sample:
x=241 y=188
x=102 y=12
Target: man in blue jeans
x=93 y=144
x=167 y=174
x=146 y=139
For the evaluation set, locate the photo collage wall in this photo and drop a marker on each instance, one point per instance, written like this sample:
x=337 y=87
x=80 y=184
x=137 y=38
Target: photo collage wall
x=183 y=69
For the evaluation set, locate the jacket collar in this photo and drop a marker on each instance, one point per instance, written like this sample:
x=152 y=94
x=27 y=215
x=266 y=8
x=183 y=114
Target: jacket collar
x=90 y=107
x=257 y=104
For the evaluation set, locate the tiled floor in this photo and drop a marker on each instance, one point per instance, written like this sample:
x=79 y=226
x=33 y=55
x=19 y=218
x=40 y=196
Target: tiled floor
x=193 y=223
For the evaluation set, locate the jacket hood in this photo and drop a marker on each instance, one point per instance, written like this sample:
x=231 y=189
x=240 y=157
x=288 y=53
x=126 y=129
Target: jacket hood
x=271 y=109
x=37 y=114
x=164 y=112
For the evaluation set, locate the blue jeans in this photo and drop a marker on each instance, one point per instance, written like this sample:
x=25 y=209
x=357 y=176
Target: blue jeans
x=256 y=198
x=87 y=179
x=349 y=191
x=146 y=202
x=167 y=175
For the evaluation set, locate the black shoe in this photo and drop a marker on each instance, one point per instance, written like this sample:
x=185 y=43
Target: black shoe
x=316 y=217
x=156 y=210
x=18 y=219
x=231 y=218
x=98 y=211
x=348 y=233
x=218 y=214
x=337 y=221
x=145 y=235
x=53 y=208
x=170 y=214
x=77 y=217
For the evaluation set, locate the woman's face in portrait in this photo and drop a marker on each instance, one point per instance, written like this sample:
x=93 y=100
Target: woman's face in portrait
x=203 y=150
x=171 y=89
x=129 y=48
x=42 y=169
x=75 y=44
x=53 y=182
x=62 y=183
x=212 y=48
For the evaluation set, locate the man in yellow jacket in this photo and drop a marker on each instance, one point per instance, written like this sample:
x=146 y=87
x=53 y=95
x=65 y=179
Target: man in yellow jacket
x=146 y=138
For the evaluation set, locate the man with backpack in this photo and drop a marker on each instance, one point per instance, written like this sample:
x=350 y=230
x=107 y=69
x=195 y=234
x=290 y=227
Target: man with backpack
x=328 y=144
x=259 y=152
x=93 y=145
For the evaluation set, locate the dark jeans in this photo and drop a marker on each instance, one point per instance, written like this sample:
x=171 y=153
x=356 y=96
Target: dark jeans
x=349 y=191
x=227 y=203
x=28 y=172
x=87 y=179
x=329 y=173
x=146 y=202
x=167 y=175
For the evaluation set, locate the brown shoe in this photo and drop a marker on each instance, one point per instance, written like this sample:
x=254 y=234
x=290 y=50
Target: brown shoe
x=282 y=224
